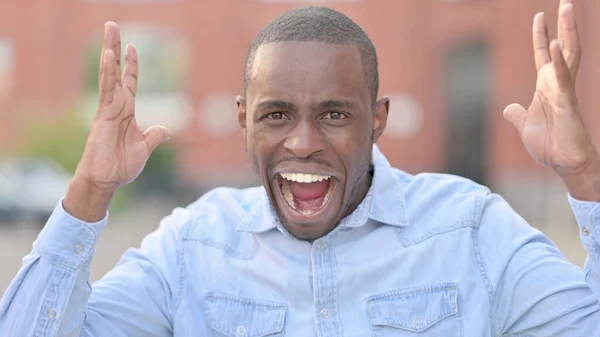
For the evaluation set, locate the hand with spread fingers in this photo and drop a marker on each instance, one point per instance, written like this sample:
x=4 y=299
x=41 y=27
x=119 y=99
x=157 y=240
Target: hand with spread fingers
x=117 y=149
x=552 y=128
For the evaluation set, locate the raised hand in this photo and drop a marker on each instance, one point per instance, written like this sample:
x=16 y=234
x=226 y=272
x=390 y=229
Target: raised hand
x=552 y=128
x=117 y=149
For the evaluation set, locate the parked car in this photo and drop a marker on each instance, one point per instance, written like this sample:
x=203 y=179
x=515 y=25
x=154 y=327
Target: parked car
x=31 y=188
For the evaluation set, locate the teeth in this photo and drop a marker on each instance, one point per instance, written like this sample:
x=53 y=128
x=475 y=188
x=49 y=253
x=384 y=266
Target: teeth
x=304 y=177
x=327 y=195
x=287 y=193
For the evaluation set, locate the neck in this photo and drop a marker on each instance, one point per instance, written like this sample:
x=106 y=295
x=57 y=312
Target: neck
x=361 y=189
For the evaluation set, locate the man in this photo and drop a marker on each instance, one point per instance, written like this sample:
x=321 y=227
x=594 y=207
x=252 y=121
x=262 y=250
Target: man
x=335 y=242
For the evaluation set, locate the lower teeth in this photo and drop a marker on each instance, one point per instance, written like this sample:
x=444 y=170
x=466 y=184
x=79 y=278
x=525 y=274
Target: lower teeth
x=328 y=194
x=289 y=197
x=287 y=193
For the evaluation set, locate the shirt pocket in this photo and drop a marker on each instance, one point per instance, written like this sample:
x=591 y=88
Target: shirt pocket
x=242 y=317
x=423 y=311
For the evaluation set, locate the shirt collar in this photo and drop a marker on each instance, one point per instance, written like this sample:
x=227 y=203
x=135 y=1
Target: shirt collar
x=384 y=203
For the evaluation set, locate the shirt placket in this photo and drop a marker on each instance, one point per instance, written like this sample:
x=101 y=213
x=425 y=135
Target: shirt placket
x=324 y=290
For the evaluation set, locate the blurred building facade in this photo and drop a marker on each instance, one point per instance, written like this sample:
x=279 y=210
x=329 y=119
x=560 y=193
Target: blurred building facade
x=450 y=68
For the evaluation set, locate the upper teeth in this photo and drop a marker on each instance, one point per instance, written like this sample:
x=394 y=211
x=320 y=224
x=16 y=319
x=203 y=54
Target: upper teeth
x=304 y=177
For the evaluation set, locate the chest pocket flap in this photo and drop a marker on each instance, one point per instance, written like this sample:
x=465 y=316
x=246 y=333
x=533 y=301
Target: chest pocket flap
x=415 y=309
x=238 y=316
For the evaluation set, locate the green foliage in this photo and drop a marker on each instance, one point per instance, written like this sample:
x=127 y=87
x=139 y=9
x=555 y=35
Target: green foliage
x=92 y=64
x=158 y=175
x=62 y=138
x=162 y=61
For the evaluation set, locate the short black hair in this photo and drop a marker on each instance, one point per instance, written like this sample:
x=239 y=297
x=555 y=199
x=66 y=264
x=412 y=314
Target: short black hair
x=318 y=23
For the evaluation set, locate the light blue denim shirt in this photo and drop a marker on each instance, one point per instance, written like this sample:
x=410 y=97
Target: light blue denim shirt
x=424 y=255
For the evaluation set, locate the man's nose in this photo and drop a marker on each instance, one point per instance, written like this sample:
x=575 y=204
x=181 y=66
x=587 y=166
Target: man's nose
x=304 y=140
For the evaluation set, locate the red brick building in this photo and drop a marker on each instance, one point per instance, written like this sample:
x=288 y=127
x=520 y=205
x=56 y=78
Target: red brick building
x=450 y=68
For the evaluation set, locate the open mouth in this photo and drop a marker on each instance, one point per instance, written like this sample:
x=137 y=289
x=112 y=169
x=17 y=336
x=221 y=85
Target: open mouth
x=306 y=194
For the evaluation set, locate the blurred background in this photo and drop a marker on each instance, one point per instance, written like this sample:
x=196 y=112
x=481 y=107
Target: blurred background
x=449 y=67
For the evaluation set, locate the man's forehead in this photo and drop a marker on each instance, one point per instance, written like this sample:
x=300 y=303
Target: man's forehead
x=283 y=66
x=290 y=55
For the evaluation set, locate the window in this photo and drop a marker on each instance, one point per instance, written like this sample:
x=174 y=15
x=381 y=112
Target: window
x=467 y=85
x=405 y=119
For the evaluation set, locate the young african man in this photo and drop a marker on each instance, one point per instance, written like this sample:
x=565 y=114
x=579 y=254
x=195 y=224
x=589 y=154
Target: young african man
x=335 y=242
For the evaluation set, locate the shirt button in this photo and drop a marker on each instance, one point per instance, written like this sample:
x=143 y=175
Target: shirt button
x=51 y=313
x=325 y=313
x=78 y=249
x=418 y=321
x=585 y=230
x=322 y=245
x=241 y=330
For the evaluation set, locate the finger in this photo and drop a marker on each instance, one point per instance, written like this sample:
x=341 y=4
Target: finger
x=540 y=41
x=101 y=67
x=568 y=37
x=516 y=115
x=156 y=135
x=130 y=73
x=561 y=69
x=108 y=79
x=560 y=6
x=112 y=41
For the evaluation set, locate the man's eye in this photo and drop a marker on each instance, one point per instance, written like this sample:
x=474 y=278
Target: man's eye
x=334 y=115
x=275 y=115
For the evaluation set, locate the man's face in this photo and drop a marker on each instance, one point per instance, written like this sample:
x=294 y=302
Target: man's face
x=310 y=125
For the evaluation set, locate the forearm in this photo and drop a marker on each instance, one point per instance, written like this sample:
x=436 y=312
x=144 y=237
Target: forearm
x=588 y=219
x=536 y=290
x=51 y=291
x=35 y=303
x=592 y=275
x=584 y=196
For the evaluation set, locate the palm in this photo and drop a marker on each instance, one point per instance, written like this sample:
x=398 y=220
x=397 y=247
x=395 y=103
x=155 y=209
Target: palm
x=548 y=128
x=117 y=148
x=552 y=129
x=128 y=148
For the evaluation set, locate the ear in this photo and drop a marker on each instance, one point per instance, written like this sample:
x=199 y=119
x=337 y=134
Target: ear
x=380 y=115
x=241 y=105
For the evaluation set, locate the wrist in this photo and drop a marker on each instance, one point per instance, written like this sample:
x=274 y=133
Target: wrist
x=87 y=201
x=585 y=184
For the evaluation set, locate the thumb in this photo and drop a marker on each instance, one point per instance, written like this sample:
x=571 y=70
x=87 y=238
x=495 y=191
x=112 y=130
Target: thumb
x=156 y=135
x=516 y=114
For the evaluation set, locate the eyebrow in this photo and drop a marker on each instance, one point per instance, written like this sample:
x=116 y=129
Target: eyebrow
x=284 y=105
x=274 y=104
x=334 y=104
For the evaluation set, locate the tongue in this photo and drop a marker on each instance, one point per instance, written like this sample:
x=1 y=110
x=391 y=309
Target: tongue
x=309 y=191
